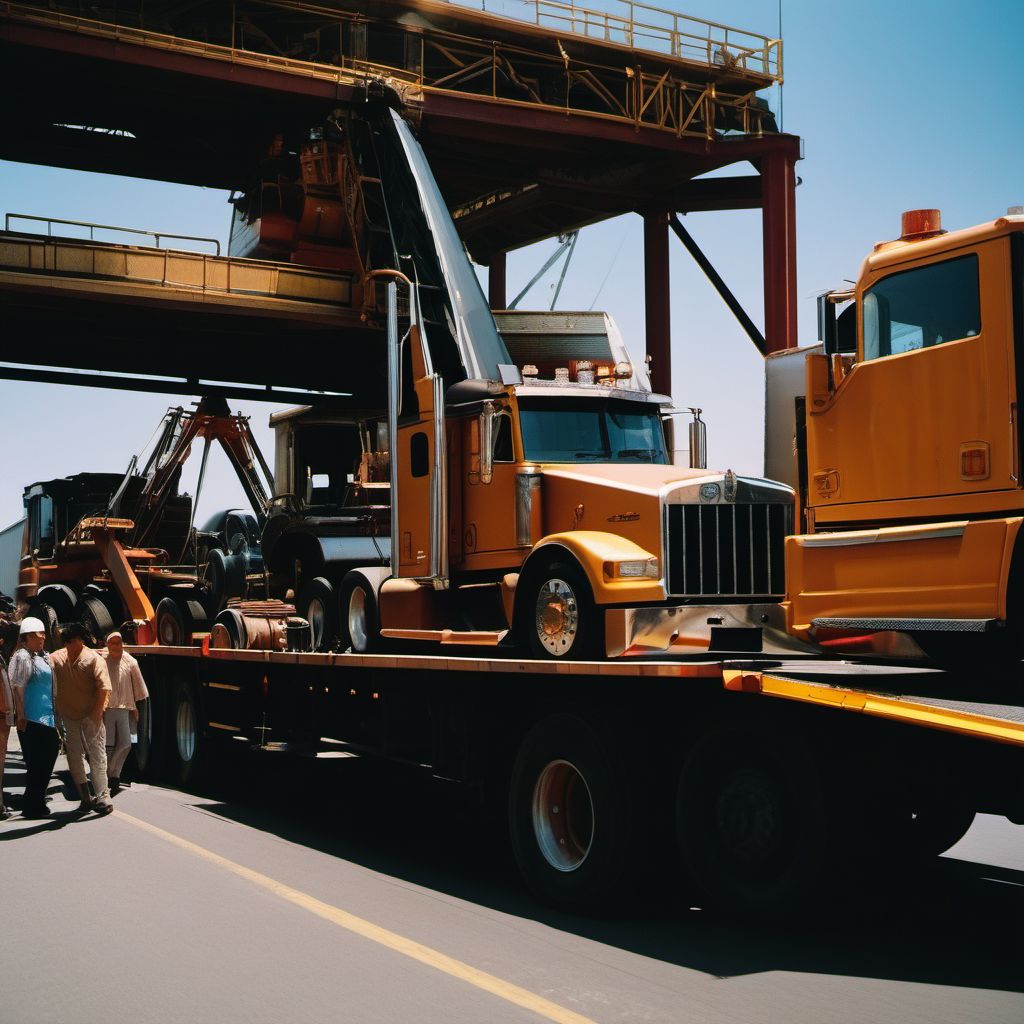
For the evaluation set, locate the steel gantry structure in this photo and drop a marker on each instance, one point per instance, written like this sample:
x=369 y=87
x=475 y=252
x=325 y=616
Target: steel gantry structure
x=534 y=127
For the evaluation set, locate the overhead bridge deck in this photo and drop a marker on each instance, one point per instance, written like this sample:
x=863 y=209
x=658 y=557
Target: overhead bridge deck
x=169 y=320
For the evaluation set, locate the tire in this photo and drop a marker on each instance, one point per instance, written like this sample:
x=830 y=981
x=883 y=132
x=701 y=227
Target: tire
x=45 y=612
x=751 y=821
x=226 y=574
x=190 y=747
x=229 y=626
x=559 y=616
x=151 y=748
x=95 y=616
x=569 y=815
x=318 y=605
x=359 y=617
x=171 y=629
x=61 y=599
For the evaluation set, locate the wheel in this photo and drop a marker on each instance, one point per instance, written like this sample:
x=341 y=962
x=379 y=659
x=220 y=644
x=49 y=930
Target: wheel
x=190 y=745
x=229 y=630
x=359 y=616
x=318 y=605
x=151 y=748
x=95 y=616
x=226 y=574
x=171 y=629
x=751 y=821
x=46 y=614
x=559 y=616
x=61 y=599
x=570 y=815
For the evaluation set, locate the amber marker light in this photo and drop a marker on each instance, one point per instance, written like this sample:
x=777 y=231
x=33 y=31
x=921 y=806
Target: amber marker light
x=920 y=224
x=974 y=461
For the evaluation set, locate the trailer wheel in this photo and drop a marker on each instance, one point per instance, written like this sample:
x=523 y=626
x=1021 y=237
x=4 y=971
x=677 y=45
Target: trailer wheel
x=318 y=605
x=360 y=619
x=61 y=599
x=226 y=574
x=190 y=745
x=151 y=749
x=569 y=815
x=95 y=616
x=171 y=630
x=559 y=617
x=751 y=820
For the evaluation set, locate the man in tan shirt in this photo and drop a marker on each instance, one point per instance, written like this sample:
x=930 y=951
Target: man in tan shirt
x=121 y=719
x=81 y=687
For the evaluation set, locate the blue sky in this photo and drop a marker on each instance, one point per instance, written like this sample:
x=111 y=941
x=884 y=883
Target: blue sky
x=901 y=104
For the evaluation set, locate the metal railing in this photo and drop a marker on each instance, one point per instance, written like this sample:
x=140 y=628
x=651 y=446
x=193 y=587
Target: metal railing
x=642 y=26
x=93 y=228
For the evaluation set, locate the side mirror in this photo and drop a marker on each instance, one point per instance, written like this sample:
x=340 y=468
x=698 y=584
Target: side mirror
x=838 y=335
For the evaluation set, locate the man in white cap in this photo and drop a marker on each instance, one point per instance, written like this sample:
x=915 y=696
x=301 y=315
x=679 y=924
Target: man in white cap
x=122 y=715
x=81 y=687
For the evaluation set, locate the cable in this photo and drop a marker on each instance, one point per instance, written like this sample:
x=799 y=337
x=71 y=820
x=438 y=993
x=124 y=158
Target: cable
x=611 y=267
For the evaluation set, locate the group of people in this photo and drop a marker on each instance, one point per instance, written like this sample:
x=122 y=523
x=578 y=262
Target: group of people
x=86 y=698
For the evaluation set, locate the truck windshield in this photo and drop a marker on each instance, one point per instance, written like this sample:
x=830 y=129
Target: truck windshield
x=591 y=430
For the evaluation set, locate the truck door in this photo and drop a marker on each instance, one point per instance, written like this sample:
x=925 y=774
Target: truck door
x=419 y=491
x=926 y=412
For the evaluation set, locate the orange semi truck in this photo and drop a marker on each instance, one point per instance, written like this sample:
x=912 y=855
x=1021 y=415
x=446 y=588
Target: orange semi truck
x=910 y=451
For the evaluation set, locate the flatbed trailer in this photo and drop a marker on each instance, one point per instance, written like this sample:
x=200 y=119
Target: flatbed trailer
x=757 y=779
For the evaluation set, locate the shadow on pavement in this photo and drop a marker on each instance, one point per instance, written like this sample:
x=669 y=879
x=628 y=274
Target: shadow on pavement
x=953 y=922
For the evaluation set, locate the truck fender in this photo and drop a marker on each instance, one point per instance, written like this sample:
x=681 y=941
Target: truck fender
x=591 y=549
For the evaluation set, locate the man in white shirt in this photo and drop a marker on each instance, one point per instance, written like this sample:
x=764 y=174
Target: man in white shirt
x=122 y=715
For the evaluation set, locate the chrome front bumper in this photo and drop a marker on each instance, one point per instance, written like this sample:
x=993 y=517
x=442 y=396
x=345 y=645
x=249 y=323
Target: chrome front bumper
x=696 y=629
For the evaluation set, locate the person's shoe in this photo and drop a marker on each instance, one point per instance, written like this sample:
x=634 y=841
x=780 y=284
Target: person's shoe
x=87 y=803
x=115 y=786
x=5 y=812
x=36 y=813
x=103 y=807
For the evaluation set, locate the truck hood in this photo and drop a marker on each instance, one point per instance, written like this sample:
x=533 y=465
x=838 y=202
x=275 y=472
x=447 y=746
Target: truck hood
x=672 y=484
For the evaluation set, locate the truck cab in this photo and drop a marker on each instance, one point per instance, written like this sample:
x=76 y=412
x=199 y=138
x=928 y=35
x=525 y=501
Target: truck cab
x=913 y=499
x=556 y=521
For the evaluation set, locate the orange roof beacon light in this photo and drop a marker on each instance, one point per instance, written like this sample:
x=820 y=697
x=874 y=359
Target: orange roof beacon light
x=920 y=224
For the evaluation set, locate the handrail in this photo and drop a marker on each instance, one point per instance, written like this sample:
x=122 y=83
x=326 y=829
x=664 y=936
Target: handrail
x=50 y=221
x=643 y=26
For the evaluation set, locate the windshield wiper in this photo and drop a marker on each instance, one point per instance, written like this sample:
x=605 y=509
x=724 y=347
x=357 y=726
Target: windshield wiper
x=639 y=451
x=591 y=455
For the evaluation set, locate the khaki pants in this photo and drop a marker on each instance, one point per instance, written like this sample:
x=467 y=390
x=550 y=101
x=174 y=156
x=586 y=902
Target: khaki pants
x=117 y=722
x=87 y=740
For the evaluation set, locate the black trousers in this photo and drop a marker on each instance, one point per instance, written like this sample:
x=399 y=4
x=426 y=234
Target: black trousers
x=39 y=745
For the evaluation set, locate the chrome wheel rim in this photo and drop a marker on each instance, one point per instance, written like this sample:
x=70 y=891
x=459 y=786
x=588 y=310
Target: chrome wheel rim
x=563 y=816
x=186 y=731
x=357 y=631
x=316 y=614
x=557 y=617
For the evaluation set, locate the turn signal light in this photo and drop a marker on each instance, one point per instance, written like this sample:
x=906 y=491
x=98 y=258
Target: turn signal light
x=974 y=461
x=632 y=568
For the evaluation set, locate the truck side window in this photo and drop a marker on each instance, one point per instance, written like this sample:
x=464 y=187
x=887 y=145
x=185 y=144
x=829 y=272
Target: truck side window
x=502 y=451
x=923 y=307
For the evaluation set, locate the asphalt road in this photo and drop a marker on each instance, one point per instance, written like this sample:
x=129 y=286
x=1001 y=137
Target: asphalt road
x=349 y=892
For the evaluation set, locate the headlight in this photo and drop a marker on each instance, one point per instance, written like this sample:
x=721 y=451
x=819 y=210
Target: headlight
x=633 y=568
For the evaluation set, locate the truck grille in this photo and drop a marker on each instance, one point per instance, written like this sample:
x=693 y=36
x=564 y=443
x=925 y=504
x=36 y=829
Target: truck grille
x=731 y=550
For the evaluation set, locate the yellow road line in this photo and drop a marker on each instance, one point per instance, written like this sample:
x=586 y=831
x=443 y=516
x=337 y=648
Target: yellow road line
x=359 y=926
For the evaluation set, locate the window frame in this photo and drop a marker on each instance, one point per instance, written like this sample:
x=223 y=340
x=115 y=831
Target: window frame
x=971 y=255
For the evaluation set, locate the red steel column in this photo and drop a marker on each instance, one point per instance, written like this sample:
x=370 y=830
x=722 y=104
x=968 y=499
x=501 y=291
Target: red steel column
x=778 y=220
x=657 y=301
x=496 y=282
